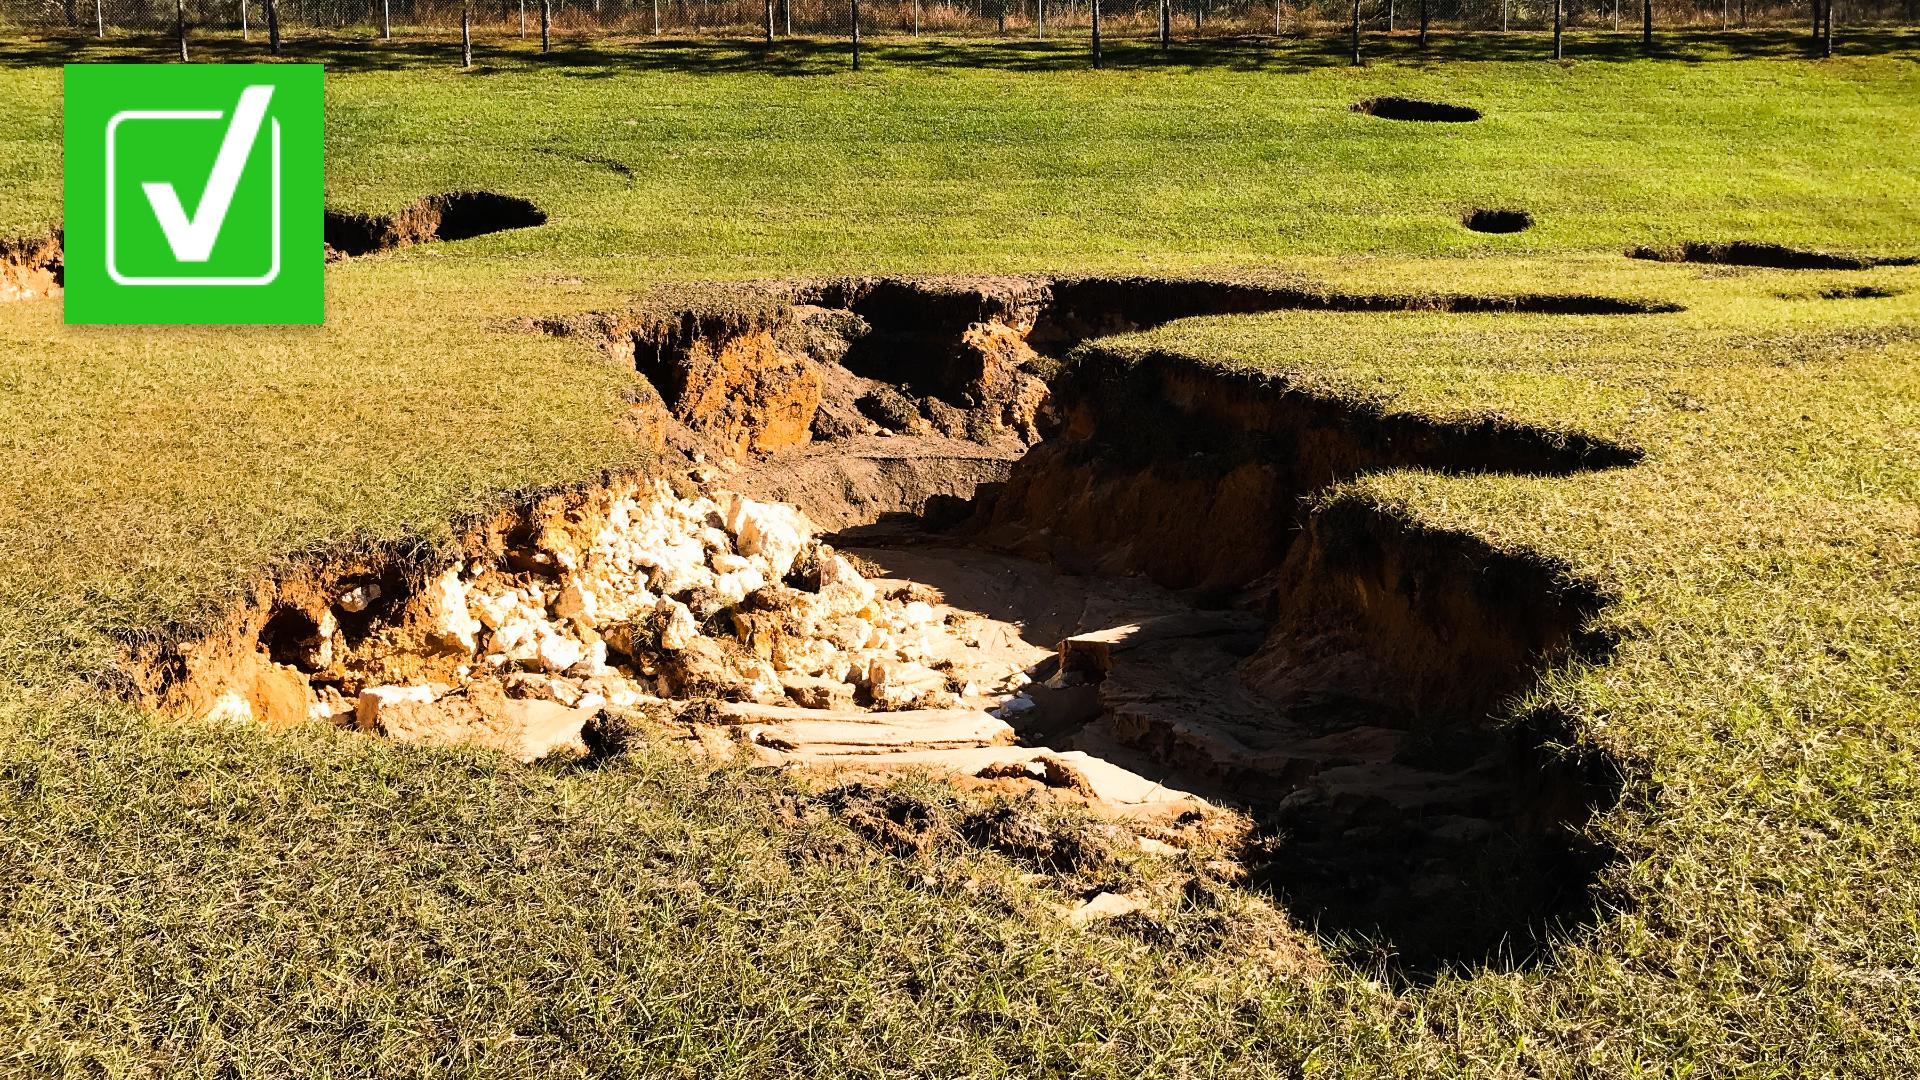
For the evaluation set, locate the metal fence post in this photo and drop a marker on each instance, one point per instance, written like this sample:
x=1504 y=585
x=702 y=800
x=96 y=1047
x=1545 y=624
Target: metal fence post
x=546 y=25
x=244 y=35
x=100 y=18
x=1356 y=33
x=273 y=27
x=856 y=35
x=180 y=23
x=1096 y=35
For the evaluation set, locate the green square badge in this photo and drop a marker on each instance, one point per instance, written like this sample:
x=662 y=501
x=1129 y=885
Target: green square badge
x=193 y=193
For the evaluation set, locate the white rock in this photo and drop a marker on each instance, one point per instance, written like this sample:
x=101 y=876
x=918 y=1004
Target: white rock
x=680 y=629
x=725 y=563
x=1014 y=707
x=556 y=652
x=495 y=611
x=358 y=598
x=453 y=626
x=374 y=699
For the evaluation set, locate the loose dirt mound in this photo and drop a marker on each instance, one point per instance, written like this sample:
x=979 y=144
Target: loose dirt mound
x=1498 y=221
x=1770 y=256
x=1399 y=108
x=458 y=215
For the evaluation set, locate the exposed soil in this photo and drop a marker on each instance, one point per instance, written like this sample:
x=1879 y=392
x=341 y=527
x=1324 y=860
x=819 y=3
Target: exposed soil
x=1498 y=221
x=457 y=215
x=1399 y=108
x=892 y=530
x=30 y=267
x=1771 y=256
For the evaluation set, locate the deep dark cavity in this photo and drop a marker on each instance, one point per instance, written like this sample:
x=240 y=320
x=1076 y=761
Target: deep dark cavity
x=1345 y=676
x=459 y=215
x=1498 y=221
x=1399 y=108
x=1769 y=256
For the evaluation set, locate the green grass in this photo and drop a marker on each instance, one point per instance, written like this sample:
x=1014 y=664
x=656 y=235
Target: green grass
x=918 y=162
x=182 y=900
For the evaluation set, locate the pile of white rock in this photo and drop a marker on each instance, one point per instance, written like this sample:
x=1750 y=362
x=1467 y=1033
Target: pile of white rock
x=682 y=597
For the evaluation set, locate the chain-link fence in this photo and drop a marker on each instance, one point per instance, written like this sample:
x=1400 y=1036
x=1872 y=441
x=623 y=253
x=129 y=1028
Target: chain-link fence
x=1185 y=19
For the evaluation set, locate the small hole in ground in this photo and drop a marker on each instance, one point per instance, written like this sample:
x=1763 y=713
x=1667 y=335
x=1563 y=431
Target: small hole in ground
x=459 y=215
x=1399 y=108
x=1498 y=221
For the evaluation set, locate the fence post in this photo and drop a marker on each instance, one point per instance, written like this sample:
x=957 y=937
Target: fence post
x=1423 y=23
x=1505 y=7
x=386 y=20
x=1646 y=25
x=1040 y=17
x=244 y=35
x=1389 y=16
x=180 y=23
x=1276 y=17
x=656 y=18
x=1166 y=24
x=769 y=22
x=1096 y=35
x=546 y=25
x=466 y=34
x=273 y=27
x=1559 y=20
x=523 y=18
x=1356 y=33
x=856 y=35
x=100 y=18
x=1826 y=46
x=916 y=18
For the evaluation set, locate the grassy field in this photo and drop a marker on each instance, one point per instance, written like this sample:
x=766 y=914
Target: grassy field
x=183 y=900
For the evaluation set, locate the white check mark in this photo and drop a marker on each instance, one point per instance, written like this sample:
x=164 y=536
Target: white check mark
x=192 y=239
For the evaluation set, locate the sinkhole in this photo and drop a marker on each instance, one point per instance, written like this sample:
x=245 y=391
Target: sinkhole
x=458 y=215
x=1497 y=221
x=1433 y=112
x=933 y=524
